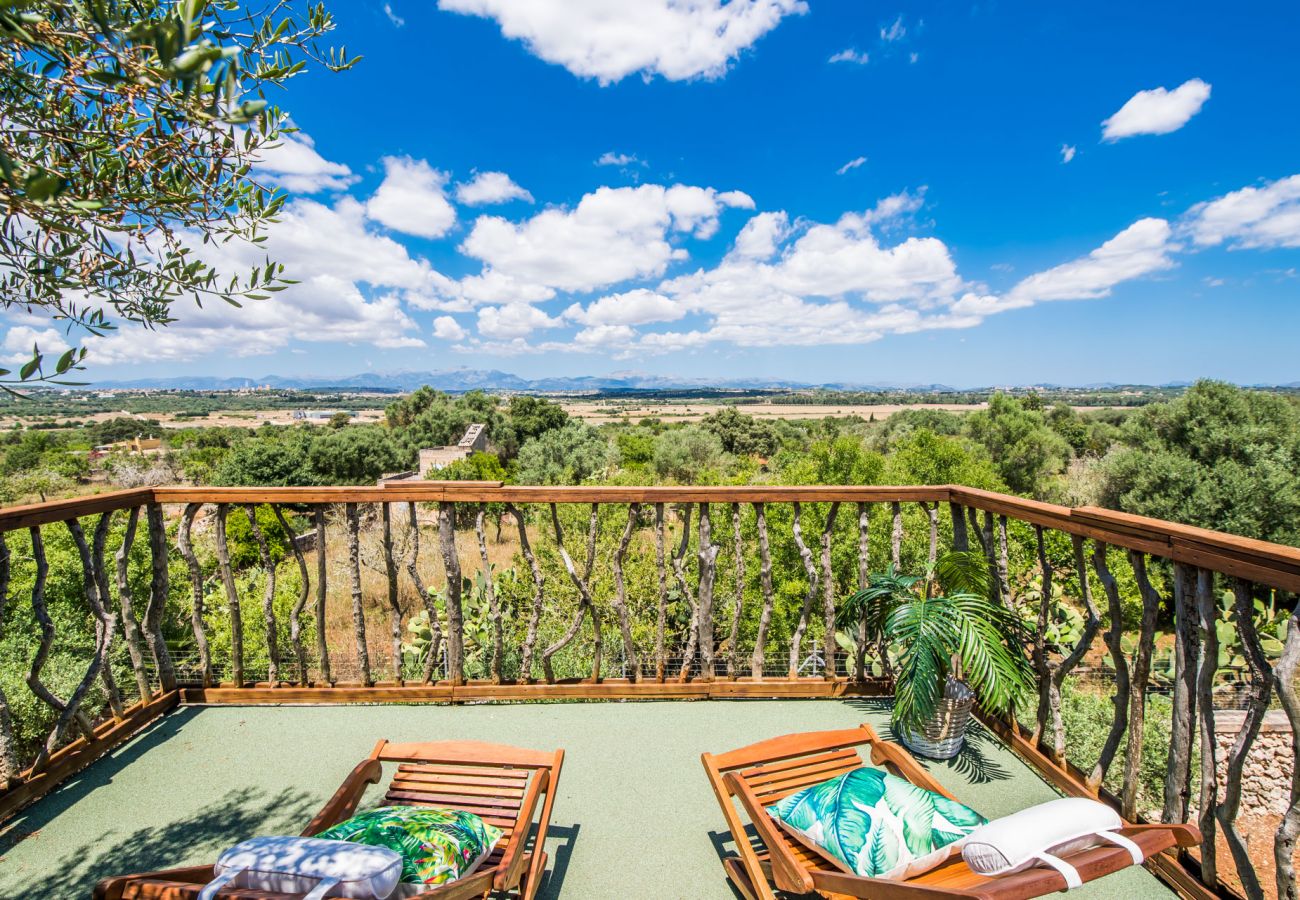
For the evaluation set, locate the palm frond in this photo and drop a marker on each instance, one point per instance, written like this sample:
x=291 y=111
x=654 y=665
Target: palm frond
x=963 y=572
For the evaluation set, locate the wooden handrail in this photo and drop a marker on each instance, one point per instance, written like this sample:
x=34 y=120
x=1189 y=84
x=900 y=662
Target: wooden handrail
x=1263 y=562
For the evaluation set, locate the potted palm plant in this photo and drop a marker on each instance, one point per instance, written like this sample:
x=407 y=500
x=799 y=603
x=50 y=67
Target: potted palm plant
x=949 y=643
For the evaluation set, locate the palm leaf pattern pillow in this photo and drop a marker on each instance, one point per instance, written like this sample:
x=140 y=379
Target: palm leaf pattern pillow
x=437 y=845
x=878 y=825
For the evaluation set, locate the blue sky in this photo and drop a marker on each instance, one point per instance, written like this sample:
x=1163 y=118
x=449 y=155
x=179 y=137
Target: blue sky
x=994 y=231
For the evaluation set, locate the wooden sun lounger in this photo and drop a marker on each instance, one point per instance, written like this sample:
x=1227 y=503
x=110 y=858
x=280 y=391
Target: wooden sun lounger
x=505 y=785
x=761 y=774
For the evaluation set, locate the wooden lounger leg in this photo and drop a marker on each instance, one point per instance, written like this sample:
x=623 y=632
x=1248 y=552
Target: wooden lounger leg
x=739 y=877
x=532 y=881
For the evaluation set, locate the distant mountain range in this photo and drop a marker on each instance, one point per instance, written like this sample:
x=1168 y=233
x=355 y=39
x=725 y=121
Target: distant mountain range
x=460 y=380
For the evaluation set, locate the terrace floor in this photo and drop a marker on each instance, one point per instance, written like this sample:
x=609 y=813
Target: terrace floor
x=634 y=815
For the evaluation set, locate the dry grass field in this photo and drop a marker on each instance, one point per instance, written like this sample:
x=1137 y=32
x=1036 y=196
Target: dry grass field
x=600 y=411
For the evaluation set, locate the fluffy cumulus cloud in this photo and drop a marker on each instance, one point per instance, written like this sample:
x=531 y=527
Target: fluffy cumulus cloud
x=448 y=329
x=491 y=187
x=1157 y=111
x=638 y=307
x=1253 y=217
x=609 y=41
x=412 y=199
x=354 y=287
x=610 y=158
x=294 y=164
x=514 y=320
x=612 y=235
x=1144 y=248
x=20 y=340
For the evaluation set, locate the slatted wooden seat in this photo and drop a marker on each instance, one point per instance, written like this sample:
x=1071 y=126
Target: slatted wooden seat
x=761 y=774
x=506 y=786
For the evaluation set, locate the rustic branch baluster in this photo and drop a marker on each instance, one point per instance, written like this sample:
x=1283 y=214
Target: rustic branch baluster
x=539 y=589
x=1141 y=677
x=390 y=580
x=765 y=587
x=864 y=579
x=692 y=603
x=960 y=540
x=304 y=592
x=494 y=606
x=322 y=591
x=661 y=615
x=1178 y=783
x=1041 y=661
x=620 y=592
x=159 y=586
x=597 y=636
x=896 y=534
x=1257 y=697
x=585 y=605
x=733 y=656
x=1207 y=614
x=268 y=597
x=1004 y=564
x=811 y=570
x=679 y=575
x=232 y=597
x=353 y=517
x=426 y=598
x=707 y=555
x=1113 y=636
x=455 y=610
x=42 y=614
x=1286 y=673
x=8 y=753
x=1091 y=625
x=183 y=542
x=828 y=593
x=932 y=513
x=105 y=626
x=109 y=619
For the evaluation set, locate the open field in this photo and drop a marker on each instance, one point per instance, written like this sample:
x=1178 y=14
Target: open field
x=250 y=418
x=600 y=411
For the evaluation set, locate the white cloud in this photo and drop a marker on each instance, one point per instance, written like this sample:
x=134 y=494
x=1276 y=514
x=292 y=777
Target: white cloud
x=514 y=320
x=20 y=339
x=491 y=187
x=851 y=165
x=609 y=41
x=293 y=164
x=759 y=237
x=1067 y=153
x=412 y=198
x=1144 y=248
x=895 y=31
x=637 y=307
x=610 y=158
x=393 y=17
x=1253 y=217
x=612 y=235
x=1157 y=111
x=448 y=329
x=851 y=55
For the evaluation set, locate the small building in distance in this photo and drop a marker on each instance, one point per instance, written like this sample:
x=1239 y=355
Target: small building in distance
x=137 y=444
x=434 y=458
x=320 y=415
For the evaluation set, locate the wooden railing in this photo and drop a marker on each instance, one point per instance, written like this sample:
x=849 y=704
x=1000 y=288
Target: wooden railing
x=705 y=618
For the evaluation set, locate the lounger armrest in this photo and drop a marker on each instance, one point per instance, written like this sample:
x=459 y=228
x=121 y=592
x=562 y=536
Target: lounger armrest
x=789 y=874
x=113 y=888
x=512 y=861
x=345 y=799
x=880 y=888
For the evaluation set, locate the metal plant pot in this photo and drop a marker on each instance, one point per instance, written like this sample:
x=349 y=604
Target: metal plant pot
x=945 y=733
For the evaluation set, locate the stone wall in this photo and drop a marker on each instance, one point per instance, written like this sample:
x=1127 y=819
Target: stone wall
x=1266 y=778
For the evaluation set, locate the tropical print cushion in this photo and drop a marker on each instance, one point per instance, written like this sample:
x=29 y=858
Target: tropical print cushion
x=877 y=825
x=437 y=845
